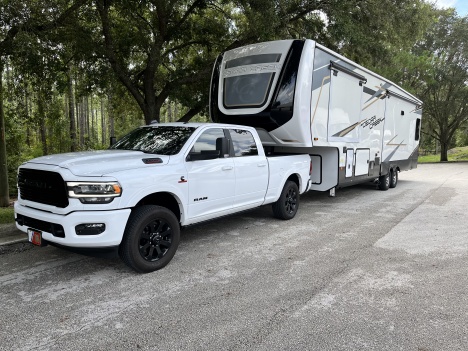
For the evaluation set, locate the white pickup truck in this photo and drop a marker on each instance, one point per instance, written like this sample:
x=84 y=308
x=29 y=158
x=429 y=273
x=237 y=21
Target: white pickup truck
x=135 y=196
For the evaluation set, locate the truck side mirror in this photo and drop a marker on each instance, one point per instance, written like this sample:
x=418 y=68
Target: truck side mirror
x=222 y=145
x=112 y=140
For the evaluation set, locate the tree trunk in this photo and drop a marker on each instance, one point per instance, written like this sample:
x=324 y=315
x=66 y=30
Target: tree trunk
x=71 y=109
x=42 y=117
x=152 y=113
x=103 y=124
x=79 y=111
x=28 y=130
x=92 y=139
x=443 y=151
x=86 y=112
x=190 y=113
x=4 y=189
x=111 y=116
x=169 y=112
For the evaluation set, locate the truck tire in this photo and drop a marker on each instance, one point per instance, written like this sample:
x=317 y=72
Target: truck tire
x=393 y=178
x=150 y=239
x=384 y=181
x=288 y=202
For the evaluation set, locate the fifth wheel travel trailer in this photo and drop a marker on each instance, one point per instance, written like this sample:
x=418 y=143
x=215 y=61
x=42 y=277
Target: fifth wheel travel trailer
x=304 y=98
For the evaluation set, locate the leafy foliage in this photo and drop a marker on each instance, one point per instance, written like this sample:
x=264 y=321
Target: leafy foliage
x=76 y=72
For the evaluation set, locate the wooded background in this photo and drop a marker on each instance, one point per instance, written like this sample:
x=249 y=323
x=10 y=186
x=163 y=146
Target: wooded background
x=74 y=73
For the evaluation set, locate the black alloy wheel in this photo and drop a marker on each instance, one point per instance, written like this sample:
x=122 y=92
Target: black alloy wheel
x=155 y=240
x=288 y=203
x=291 y=201
x=151 y=238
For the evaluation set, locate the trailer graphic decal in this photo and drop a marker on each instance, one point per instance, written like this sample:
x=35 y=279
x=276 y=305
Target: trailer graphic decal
x=371 y=122
x=347 y=130
x=380 y=93
x=393 y=153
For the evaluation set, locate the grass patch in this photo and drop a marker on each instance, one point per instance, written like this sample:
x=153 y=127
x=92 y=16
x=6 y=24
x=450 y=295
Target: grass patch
x=7 y=215
x=456 y=154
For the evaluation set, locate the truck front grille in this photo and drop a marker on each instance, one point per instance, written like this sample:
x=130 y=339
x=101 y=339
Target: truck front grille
x=42 y=186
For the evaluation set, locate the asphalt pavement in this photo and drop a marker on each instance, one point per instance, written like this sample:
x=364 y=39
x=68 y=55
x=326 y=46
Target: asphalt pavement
x=366 y=270
x=10 y=235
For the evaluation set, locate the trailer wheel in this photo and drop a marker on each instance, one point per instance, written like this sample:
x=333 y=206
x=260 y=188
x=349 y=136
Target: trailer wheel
x=393 y=178
x=150 y=239
x=288 y=202
x=384 y=181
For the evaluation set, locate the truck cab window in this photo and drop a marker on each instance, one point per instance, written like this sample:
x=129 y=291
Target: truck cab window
x=244 y=143
x=206 y=147
x=207 y=140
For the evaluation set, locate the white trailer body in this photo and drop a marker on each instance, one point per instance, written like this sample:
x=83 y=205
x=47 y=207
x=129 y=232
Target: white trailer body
x=356 y=125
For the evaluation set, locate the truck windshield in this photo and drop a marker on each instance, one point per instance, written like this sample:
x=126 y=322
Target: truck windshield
x=161 y=140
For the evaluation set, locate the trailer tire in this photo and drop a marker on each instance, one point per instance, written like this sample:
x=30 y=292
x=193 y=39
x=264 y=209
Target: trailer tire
x=150 y=239
x=393 y=178
x=384 y=182
x=288 y=202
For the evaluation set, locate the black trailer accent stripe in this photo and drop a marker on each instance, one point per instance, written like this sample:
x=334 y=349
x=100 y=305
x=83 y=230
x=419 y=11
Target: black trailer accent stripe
x=393 y=152
x=369 y=91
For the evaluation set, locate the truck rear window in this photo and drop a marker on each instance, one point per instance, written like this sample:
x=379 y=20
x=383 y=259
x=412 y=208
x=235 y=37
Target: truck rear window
x=161 y=140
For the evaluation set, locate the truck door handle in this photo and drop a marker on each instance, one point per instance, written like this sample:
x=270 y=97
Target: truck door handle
x=227 y=168
x=261 y=164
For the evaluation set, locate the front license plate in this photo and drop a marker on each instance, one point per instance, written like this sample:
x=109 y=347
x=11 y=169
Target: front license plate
x=35 y=237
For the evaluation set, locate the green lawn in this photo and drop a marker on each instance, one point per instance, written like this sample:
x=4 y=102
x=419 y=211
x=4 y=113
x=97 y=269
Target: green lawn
x=7 y=215
x=457 y=154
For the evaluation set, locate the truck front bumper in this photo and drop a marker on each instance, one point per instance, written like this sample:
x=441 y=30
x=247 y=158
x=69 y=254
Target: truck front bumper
x=64 y=229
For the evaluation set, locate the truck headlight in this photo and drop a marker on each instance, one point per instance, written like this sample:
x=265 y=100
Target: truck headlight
x=94 y=192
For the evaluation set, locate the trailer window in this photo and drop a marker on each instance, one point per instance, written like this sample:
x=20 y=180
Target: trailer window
x=249 y=90
x=418 y=129
x=244 y=143
x=253 y=60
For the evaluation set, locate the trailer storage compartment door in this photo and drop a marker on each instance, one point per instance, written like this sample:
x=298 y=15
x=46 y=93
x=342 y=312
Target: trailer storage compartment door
x=362 y=162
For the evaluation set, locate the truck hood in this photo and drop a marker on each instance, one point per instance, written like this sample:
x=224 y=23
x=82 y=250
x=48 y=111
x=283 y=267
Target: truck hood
x=102 y=162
